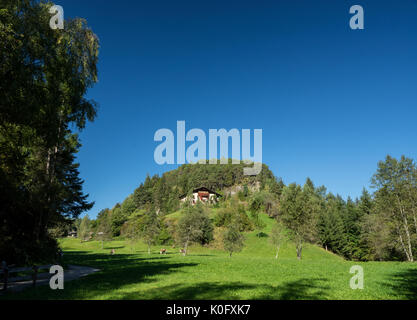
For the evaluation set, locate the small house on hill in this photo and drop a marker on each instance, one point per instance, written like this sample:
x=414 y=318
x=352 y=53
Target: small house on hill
x=72 y=234
x=201 y=194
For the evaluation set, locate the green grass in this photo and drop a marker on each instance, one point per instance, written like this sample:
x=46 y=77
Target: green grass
x=210 y=274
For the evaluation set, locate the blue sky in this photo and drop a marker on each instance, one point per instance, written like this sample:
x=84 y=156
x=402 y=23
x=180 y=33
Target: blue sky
x=331 y=101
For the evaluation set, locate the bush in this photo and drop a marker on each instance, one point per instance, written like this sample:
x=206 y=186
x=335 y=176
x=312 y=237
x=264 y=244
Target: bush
x=228 y=216
x=164 y=237
x=218 y=235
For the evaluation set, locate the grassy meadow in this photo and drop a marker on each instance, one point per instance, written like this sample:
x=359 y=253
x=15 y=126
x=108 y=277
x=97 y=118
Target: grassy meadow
x=208 y=273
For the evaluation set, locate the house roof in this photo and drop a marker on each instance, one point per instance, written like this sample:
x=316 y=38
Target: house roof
x=202 y=189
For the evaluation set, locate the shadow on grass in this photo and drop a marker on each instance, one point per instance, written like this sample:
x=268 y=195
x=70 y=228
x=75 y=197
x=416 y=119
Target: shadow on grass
x=199 y=255
x=303 y=289
x=262 y=235
x=113 y=247
x=404 y=284
x=116 y=271
x=121 y=275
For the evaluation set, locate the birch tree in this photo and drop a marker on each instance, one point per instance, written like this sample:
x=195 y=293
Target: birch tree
x=278 y=236
x=395 y=181
x=44 y=76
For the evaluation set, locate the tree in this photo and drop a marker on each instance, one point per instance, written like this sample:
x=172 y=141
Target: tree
x=296 y=214
x=233 y=240
x=143 y=194
x=104 y=229
x=44 y=76
x=149 y=229
x=278 y=236
x=365 y=204
x=85 y=229
x=260 y=200
x=60 y=229
x=131 y=230
x=128 y=206
x=352 y=228
x=235 y=214
x=118 y=218
x=378 y=238
x=258 y=223
x=330 y=228
x=241 y=220
x=366 y=209
x=160 y=195
x=395 y=197
x=194 y=226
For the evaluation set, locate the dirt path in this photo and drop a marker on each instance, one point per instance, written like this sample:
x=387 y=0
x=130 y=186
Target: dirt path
x=72 y=273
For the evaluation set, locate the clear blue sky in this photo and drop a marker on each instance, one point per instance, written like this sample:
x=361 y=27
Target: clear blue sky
x=331 y=101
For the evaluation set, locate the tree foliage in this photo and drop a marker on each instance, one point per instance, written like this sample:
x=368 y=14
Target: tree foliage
x=149 y=228
x=233 y=240
x=163 y=193
x=296 y=212
x=372 y=227
x=396 y=201
x=194 y=226
x=85 y=229
x=279 y=236
x=44 y=76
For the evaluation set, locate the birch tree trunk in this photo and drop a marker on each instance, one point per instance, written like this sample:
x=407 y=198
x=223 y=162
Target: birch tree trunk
x=404 y=248
x=186 y=246
x=406 y=229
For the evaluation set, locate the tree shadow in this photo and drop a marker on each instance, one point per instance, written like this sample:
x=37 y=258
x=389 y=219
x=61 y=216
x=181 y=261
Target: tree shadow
x=404 y=283
x=303 y=289
x=116 y=271
x=262 y=235
x=120 y=274
x=112 y=247
x=199 y=255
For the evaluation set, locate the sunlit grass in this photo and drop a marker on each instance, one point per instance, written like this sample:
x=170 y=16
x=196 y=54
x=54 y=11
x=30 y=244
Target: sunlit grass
x=207 y=273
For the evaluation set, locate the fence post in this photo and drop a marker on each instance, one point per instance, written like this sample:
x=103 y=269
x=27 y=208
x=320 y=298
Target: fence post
x=5 y=275
x=35 y=274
